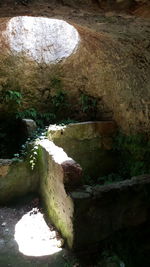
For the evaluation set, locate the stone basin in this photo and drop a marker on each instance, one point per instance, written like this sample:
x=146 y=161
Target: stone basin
x=85 y=215
x=89 y=144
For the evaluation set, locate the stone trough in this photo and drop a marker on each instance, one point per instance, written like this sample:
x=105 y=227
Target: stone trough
x=85 y=215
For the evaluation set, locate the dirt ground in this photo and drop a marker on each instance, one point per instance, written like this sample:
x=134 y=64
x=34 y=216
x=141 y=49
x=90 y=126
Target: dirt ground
x=9 y=249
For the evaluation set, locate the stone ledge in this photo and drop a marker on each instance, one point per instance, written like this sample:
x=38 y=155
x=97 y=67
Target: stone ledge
x=110 y=208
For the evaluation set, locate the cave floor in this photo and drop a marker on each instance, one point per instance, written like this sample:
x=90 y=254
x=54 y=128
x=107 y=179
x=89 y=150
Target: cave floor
x=9 y=249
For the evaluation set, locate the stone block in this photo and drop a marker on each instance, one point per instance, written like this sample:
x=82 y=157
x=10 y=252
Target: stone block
x=16 y=179
x=89 y=144
x=86 y=215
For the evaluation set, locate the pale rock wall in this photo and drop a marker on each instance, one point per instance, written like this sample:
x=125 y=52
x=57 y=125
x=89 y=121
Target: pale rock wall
x=87 y=215
x=89 y=144
x=57 y=170
x=16 y=179
x=84 y=215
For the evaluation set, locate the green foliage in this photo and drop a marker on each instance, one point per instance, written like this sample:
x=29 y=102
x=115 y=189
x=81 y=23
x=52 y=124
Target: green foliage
x=59 y=97
x=88 y=180
x=41 y=119
x=59 y=100
x=87 y=102
x=110 y=258
x=12 y=96
x=71 y=262
x=88 y=105
x=134 y=154
x=110 y=178
x=11 y=99
x=33 y=156
x=103 y=180
x=56 y=83
x=33 y=143
x=133 y=158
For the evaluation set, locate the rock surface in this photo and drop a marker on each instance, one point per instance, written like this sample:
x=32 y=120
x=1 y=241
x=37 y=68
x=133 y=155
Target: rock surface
x=16 y=179
x=73 y=208
x=100 y=210
x=59 y=206
x=89 y=144
x=28 y=127
x=111 y=64
x=108 y=209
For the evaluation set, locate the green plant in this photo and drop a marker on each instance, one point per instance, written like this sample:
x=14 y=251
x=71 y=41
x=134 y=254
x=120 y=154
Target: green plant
x=88 y=180
x=59 y=100
x=110 y=258
x=10 y=96
x=134 y=154
x=88 y=105
x=56 y=83
x=110 y=178
x=31 y=145
x=33 y=156
x=30 y=113
x=71 y=262
x=41 y=118
x=11 y=100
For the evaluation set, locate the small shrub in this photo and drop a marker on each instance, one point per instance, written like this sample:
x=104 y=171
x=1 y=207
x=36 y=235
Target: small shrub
x=59 y=100
x=88 y=105
x=134 y=154
x=56 y=83
x=11 y=100
x=10 y=96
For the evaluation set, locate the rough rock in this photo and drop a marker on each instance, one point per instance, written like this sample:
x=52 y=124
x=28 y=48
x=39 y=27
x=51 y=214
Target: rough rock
x=58 y=203
x=108 y=209
x=16 y=179
x=28 y=127
x=102 y=210
x=109 y=65
x=122 y=4
x=76 y=209
x=72 y=174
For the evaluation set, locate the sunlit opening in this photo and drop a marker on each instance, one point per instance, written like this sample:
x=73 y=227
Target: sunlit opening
x=42 y=39
x=34 y=237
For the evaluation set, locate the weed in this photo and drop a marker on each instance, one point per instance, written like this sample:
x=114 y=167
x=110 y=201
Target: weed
x=11 y=100
x=56 y=83
x=59 y=100
x=33 y=156
x=134 y=152
x=10 y=96
x=88 y=180
x=88 y=105
x=31 y=142
x=133 y=158
x=41 y=119
x=109 y=258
